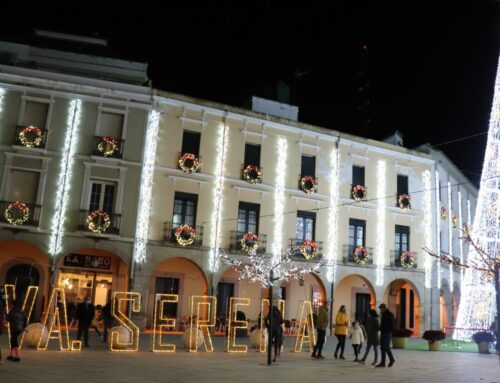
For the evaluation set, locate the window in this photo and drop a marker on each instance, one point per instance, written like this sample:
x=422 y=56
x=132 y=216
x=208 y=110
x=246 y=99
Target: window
x=402 y=185
x=184 y=209
x=23 y=186
x=308 y=166
x=252 y=154
x=358 y=175
x=35 y=114
x=102 y=196
x=402 y=239
x=191 y=143
x=111 y=124
x=356 y=233
x=305 y=226
x=248 y=217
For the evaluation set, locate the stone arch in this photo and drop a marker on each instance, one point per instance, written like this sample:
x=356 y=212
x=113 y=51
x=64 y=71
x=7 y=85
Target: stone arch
x=177 y=275
x=357 y=294
x=405 y=301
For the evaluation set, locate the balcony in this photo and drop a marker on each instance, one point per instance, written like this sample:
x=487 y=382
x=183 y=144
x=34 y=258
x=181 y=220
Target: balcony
x=100 y=226
x=107 y=149
x=27 y=214
x=348 y=254
x=30 y=138
x=396 y=259
x=169 y=234
x=295 y=244
x=235 y=245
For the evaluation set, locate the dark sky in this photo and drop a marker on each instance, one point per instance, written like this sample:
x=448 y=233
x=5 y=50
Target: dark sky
x=428 y=70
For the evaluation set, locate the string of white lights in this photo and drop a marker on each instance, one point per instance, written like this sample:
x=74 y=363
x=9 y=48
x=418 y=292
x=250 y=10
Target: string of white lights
x=279 y=197
x=216 y=219
x=381 y=221
x=427 y=180
x=460 y=245
x=145 y=193
x=2 y=95
x=331 y=254
x=65 y=177
x=450 y=235
x=477 y=301
x=438 y=231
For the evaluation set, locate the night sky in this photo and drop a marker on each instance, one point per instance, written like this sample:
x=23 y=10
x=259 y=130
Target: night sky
x=425 y=68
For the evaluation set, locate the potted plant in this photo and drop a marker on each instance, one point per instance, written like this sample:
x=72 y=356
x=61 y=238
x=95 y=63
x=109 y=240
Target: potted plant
x=399 y=336
x=483 y=340
x=434 y=337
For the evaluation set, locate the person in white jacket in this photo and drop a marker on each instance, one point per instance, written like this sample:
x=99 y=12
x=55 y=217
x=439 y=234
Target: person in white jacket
x=357 y=338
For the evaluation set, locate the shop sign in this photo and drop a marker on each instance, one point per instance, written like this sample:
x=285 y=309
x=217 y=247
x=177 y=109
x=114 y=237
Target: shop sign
x=87 y=261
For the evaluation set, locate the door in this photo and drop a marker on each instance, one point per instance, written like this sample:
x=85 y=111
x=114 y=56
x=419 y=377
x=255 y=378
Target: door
x=362 y=306
x=168 y=286
x=224 y=292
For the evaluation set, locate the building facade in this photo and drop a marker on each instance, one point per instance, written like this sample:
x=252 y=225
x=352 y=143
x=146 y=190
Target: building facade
x=134 y=189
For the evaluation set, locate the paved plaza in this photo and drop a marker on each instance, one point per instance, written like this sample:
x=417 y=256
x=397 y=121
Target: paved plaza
x=96 y=364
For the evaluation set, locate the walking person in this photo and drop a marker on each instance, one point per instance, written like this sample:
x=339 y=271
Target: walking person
x=341 y=328
x=17 y=324
x=321 y=326
x=386 y=327
x=107 y=321
x=372 y=336
x=85 y=313
x=277 y=330
x=357 y=338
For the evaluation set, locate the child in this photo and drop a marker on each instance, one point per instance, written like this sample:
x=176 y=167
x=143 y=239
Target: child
x=357 y=338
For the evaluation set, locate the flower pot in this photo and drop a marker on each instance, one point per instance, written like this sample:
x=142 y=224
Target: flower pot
x=434 y=346
x=484 y=347
x=399 y=342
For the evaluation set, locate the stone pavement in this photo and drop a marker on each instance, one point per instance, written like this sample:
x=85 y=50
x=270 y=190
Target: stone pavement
x=98 y=365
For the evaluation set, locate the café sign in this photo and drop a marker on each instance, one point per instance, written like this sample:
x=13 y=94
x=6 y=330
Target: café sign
x=87 y=261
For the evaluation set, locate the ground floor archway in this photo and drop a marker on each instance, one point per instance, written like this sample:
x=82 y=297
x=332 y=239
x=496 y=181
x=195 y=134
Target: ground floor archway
x=357 y=294
x=404 y=301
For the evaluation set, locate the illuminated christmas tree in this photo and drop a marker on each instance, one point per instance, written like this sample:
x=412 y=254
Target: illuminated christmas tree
x=477 y=306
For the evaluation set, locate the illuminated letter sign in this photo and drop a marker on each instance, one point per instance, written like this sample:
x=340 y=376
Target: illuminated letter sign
x=264 y=311
x=56 y=321
x=120 y=301
x=161 y=323
x=235 y=324
x=305 y=322
x=28 y=305
x=202 y=306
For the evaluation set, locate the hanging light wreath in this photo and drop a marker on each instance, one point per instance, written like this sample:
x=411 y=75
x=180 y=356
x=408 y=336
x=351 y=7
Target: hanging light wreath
x=404 y=201
x=30 y=136
x=250 y=242
x=98 y=221
x=360 y=255
x=107 y=146
x=444 y=213
x=407 y=259
x=189 y=163
x=185 y=235
x=17 y=213
x=309 y=249
x=309 y=184
x=359 y=193
x=454 y=220
x=252 y=174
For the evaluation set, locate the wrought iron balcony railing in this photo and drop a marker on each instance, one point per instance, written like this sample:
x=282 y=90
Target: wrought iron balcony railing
x=348 y=254
x=295 y=246
x=169 y=234
x=30 y=138
x=106 y=149
x=236 y=236
x=23 y=217
x=99 y=225
x=397 y=262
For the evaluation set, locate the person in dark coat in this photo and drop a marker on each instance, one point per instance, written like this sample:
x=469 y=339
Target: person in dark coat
x=386 y=327
x=17 y=324
x=107 y=320
x=85 y=313
x=321 y=326
x=373 y=339
x=277 y=337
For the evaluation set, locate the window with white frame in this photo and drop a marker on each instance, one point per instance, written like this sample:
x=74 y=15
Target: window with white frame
x=102 y=196
x=111 y=124
x=35 y=114
x=23 y=186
